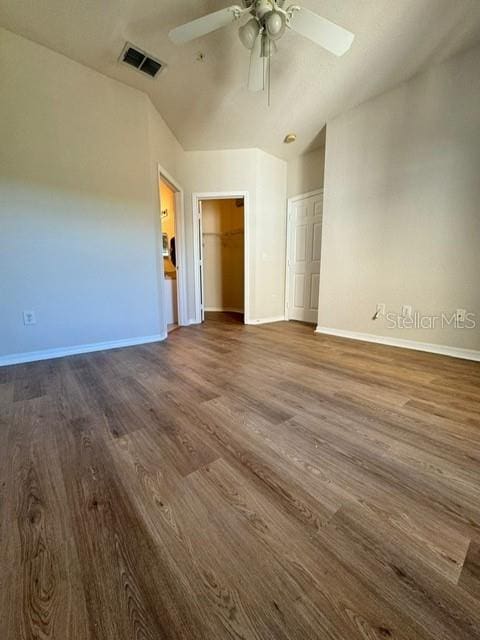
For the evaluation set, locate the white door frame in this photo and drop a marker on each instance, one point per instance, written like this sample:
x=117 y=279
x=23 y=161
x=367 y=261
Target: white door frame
x=288 y=261
x=180 y=250
x=221 y=195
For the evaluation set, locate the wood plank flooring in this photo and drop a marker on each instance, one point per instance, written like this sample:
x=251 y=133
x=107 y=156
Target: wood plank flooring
x=241 y=482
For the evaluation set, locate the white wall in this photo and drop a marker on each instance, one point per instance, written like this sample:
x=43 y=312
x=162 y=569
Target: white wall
x=402 y=206
x=306 y=173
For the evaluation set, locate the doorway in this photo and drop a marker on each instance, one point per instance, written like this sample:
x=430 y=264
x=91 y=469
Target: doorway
x=304 y=248
x=171 y=249
x=221 y=256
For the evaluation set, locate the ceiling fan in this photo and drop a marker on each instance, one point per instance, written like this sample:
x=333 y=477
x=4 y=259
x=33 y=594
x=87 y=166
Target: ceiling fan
x=268 y=22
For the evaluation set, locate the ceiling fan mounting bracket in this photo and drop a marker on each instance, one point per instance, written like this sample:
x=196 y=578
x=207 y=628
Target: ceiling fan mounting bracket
x=238 y=12
x=290 y=12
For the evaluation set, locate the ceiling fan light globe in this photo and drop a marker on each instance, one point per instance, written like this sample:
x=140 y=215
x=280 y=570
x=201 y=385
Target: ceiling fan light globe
x=275 y=25
x=249 y=33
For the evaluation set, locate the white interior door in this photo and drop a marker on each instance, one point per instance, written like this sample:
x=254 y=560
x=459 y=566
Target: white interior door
x=305 y=245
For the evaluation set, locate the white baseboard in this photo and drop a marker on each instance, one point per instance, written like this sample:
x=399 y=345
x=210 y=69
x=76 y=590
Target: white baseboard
x=266 y=320
x=224 y=309
x=48 y=354
x=454 y=352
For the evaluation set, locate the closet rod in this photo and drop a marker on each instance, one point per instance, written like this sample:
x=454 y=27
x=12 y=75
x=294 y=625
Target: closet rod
x=234 y=232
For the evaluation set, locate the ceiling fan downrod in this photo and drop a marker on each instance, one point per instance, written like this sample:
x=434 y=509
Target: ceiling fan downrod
x=268 y=24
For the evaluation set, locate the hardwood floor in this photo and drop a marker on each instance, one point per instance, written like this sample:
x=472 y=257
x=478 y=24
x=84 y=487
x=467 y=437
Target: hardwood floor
x=241 y=482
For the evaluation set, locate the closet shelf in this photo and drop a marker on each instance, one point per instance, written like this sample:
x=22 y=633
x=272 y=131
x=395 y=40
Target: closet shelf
x=233 y=232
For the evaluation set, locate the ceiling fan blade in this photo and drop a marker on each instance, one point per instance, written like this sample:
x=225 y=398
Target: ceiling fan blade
x=327 y=34
x=204 y=25
x=256 y=73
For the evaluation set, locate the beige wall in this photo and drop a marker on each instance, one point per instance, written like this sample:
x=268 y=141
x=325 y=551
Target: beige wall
x=268 y=238
x=306 y=173
x=77 y=208
x=223 y=255
x=166 y=151
x=264 y=178
x=402 y=206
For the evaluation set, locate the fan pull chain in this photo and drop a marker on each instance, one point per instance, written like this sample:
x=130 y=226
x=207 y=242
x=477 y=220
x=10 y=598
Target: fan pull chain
x=269 y=73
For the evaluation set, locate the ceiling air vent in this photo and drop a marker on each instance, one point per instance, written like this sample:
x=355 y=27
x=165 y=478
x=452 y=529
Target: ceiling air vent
x=138 y=59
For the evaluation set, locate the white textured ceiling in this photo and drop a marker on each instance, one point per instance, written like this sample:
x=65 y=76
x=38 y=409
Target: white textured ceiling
x=206 y=103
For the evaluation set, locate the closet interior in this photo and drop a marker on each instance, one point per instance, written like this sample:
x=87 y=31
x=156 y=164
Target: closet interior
x=223 y=255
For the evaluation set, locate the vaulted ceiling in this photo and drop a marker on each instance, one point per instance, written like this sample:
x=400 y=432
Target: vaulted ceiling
x=204 y=99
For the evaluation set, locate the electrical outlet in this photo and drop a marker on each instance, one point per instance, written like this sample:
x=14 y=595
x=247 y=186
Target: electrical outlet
x=461 y=315
x=407 y=310
x=29 y=318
